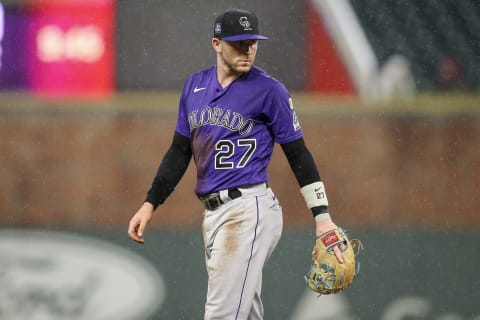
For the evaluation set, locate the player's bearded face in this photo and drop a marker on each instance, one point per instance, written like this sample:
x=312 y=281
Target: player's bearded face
x=238 y=56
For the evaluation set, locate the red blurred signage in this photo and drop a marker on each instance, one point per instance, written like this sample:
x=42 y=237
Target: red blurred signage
x=72 y=48
x=326 y=72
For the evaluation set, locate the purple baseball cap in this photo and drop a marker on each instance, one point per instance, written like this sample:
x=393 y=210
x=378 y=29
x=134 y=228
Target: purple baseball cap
x=237 y=25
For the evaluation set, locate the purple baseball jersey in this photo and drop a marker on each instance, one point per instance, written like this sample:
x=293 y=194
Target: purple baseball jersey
x=232 y=130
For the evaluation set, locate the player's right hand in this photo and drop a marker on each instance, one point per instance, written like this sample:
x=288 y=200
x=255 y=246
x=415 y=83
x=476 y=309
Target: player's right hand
x=139 y=222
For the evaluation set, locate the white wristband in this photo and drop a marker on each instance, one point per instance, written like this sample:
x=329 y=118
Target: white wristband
x=322 y=217
x=314 y=195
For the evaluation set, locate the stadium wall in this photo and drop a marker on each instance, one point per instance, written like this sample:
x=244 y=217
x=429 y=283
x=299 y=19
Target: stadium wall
x=92 y=166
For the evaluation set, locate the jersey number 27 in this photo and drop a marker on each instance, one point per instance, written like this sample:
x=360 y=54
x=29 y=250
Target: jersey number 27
x=226 y=150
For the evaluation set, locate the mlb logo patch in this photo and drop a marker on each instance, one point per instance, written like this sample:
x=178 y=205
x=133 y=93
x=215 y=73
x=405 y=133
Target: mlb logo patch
x=218 y=28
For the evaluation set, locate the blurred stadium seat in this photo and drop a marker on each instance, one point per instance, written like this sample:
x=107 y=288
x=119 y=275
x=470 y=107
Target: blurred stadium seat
x=429 y=34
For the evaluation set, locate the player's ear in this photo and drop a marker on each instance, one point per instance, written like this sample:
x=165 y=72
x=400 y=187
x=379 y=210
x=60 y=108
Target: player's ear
x=217 y=44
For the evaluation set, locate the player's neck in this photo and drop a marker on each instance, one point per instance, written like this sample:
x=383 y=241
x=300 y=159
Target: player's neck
x=225 y=76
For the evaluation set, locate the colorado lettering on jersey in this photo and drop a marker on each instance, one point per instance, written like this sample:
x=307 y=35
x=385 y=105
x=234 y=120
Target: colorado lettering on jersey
x=218 y=117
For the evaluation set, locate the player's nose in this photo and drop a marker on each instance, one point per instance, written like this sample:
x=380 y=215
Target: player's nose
x=247 y=46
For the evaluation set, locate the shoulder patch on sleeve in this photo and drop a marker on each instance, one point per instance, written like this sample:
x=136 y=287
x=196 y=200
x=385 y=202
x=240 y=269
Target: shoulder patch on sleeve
x=296 y=122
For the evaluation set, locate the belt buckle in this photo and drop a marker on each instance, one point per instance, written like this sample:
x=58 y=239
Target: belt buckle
x=212 y=202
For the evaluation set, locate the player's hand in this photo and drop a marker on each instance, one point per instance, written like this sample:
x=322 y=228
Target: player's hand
x=139 y=222
x=325 y=226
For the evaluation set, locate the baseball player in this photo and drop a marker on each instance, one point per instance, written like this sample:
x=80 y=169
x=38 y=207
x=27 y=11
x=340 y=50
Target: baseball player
x=229 y=118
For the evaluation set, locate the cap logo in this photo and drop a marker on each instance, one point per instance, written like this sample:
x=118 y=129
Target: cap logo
x=218 y=28
x=245 y=23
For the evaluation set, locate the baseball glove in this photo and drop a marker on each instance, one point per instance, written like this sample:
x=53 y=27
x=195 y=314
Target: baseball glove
x=327 y=275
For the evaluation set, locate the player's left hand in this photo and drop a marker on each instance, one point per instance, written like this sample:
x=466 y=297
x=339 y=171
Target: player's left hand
x=325 y=226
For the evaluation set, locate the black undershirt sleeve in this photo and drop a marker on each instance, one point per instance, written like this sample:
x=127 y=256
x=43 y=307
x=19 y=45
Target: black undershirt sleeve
x=303 y=166
x=171 y=170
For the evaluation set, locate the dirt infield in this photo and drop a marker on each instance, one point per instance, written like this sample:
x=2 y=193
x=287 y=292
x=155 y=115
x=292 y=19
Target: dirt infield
x=90 y=163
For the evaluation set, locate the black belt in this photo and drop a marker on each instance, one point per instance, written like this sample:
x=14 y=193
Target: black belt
x=212 y=201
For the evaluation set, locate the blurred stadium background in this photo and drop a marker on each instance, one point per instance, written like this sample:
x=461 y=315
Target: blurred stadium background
x=387 y=92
